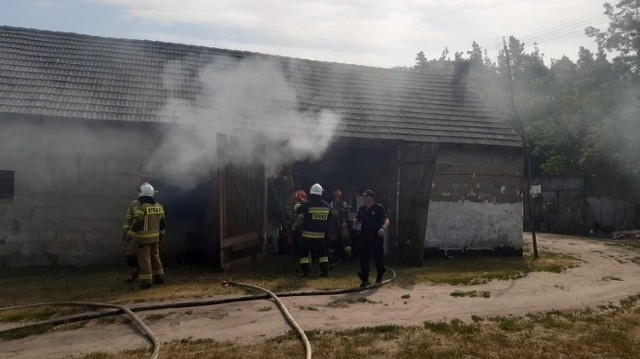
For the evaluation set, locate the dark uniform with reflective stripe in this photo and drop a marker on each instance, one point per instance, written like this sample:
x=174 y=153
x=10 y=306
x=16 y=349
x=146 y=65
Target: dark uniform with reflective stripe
x=315 y=214
x=148 y=230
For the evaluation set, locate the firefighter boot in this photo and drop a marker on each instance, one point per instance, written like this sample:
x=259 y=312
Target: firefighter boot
x=304 y=269
x=133 y=276
x=158 y=279
x=379 y=275
x=324 y=270
x=145 y=285
x=365 y=281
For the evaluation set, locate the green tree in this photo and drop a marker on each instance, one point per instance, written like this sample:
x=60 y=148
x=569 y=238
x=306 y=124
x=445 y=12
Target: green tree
x=421 y=61
x=623 y=34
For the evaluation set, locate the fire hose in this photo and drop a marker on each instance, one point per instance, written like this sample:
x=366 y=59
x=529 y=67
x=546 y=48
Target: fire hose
x=283 y=309
x=121 y=308
x=118 y=309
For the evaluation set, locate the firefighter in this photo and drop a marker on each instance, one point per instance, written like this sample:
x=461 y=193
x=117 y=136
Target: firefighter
x=299 y=198
x=315 y=222
x=339 y=241
x=374 y=224
x=130 y=244
x=148 y=230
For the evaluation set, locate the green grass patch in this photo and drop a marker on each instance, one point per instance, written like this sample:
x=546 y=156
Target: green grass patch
x=586 y=333
x=25 y=332
x=278 y=273
x=471 y=294
x=308 y=307
x=157 y=316
x=455 y=326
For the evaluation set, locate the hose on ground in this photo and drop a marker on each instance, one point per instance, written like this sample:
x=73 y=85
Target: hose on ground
x=186 y=304
x=292 y=322
x=121 y=309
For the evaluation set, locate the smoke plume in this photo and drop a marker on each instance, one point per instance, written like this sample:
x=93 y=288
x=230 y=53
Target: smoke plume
x=249 y=99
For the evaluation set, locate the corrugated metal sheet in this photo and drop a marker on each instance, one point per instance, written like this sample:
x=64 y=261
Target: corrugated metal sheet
x=79 y=76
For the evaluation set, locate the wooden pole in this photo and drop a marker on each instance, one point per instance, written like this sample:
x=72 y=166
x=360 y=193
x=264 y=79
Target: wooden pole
x=527 y=152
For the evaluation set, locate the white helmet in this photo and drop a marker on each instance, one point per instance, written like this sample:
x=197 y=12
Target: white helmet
x=316 y=189
x=146 y=189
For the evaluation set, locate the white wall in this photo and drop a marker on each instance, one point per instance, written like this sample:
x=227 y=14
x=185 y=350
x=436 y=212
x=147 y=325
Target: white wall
x=474 y=225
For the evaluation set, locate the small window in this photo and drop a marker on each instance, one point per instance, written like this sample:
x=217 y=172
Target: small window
x=6 y=184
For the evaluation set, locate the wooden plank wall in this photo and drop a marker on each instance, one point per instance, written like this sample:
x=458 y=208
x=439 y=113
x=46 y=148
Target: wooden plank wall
x=241 y=205
x=416 y=166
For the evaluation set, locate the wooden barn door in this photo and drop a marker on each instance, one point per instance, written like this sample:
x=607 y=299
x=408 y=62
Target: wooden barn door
x=416 y=166
x=242 y=196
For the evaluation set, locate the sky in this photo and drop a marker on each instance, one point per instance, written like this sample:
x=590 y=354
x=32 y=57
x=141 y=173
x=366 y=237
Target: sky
x=381 y=33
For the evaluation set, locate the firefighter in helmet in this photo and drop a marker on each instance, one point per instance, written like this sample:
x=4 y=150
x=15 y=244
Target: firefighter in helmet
x=315 y=221
x=299 y=198
x=130 y=244
x=339 y=241
x=147 y=230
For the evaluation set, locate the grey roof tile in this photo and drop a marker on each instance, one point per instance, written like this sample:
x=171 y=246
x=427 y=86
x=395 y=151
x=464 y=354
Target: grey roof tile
x=88 y=77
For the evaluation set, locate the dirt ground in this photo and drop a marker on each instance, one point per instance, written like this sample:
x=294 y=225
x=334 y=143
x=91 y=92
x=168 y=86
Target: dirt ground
x=609 y=273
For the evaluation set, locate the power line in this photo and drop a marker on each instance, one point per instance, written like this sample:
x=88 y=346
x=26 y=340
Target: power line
x=560 y=30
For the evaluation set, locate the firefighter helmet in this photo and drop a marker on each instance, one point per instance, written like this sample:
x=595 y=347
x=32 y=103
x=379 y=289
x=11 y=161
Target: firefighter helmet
x=300 y=196
x=337 y=193
x=316 y=189
x=146 y=189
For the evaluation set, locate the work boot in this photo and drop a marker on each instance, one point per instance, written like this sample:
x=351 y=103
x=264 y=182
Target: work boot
x=158 y=279
x=133 y=276
x=379 y=276
x=324 y=270
x=145 y=285
x=365 y=281
x=304 y=269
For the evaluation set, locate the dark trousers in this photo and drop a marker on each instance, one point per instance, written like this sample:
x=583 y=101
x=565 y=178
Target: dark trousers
x=370 y=242
x=318 y=250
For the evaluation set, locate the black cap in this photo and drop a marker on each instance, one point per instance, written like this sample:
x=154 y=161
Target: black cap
x=369 y=193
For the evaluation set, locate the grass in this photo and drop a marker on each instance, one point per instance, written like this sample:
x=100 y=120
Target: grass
x=471 y=294
x=588 y=333
x=107 y=284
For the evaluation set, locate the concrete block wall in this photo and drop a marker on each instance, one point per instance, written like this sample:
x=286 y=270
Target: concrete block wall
x=476 y=199
x=73 y=183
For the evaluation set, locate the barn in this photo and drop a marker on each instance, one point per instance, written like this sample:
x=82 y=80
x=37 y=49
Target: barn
x=85 y=119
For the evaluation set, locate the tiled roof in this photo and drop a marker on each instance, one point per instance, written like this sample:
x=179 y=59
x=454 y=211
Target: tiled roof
x=94 y=78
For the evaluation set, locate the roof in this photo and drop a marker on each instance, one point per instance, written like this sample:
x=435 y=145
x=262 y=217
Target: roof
x=66 y=75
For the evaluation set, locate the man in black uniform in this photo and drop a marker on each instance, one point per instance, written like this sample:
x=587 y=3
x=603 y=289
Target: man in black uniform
x=315 y=224
x=374 y=221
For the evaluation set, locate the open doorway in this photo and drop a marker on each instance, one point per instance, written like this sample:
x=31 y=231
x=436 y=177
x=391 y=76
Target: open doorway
x=185 y=216
x=353 y=167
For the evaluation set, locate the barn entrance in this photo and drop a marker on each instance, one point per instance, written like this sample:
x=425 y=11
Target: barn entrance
x=352 y=167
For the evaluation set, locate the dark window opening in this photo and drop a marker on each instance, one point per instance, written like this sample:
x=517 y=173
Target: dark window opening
x=6 y=184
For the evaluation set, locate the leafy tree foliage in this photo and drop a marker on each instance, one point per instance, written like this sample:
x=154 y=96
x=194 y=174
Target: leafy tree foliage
x=580 y=118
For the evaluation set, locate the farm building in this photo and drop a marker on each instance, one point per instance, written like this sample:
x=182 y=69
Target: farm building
x=85 y=119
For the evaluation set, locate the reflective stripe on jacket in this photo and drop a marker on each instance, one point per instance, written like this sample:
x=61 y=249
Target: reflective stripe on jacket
x=316 y=219
x=148 y=224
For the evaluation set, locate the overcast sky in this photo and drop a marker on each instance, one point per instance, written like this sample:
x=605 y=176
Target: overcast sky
x=382 y=33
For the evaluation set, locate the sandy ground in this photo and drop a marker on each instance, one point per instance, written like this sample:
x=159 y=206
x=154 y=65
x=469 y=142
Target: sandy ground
x=607 y=275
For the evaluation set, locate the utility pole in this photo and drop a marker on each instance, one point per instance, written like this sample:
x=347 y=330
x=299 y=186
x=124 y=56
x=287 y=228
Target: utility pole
x=527 y=152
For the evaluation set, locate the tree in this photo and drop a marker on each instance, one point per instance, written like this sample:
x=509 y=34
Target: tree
x=622 y=35
x=421 y=61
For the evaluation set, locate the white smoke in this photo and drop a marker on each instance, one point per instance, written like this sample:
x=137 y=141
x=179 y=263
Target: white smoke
x=249 y=99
